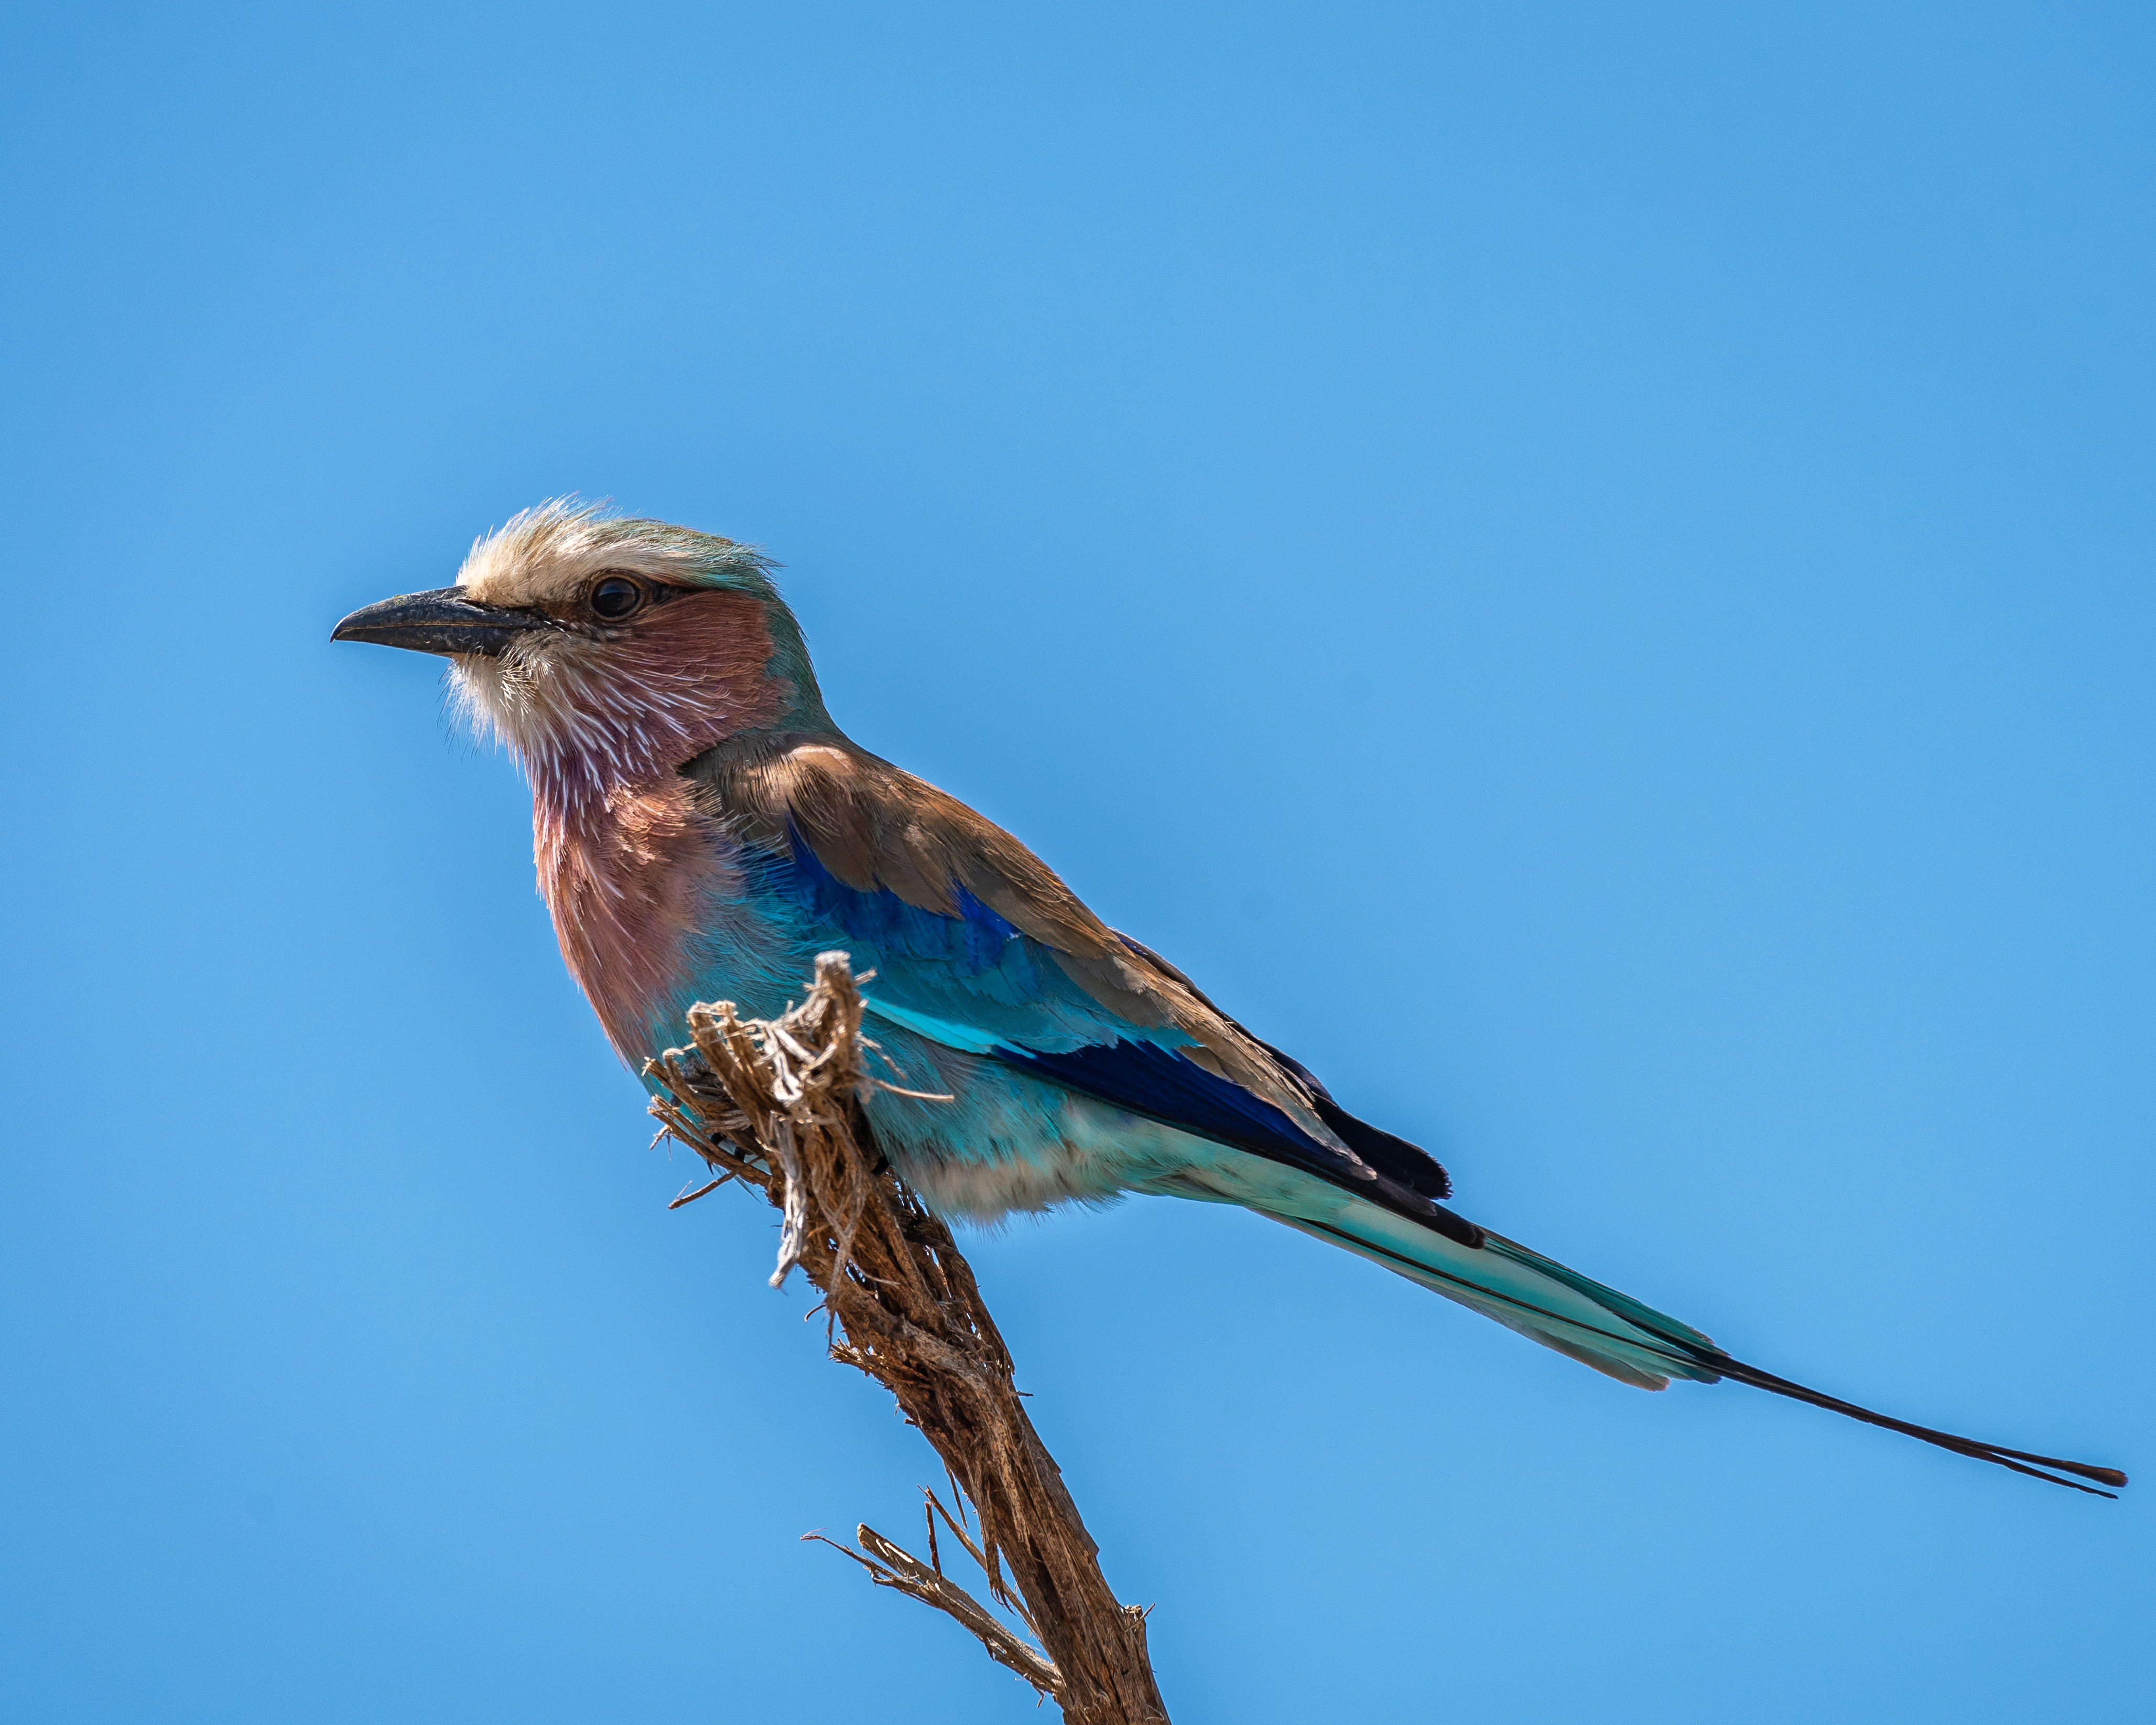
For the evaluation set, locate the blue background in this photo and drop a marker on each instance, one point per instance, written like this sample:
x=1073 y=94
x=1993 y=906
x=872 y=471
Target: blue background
x=1585 y=568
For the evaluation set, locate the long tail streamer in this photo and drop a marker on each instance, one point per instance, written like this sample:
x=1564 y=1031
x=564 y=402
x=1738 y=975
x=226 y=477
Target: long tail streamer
x=1693 y=1360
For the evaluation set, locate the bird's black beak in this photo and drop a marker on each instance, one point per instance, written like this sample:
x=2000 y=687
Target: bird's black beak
x=443 y=621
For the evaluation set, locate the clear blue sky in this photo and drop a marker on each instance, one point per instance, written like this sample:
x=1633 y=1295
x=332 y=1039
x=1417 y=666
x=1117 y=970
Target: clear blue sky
x=1588 y=569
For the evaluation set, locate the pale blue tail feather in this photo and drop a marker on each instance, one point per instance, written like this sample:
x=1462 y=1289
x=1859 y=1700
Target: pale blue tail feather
x=1541 y=1299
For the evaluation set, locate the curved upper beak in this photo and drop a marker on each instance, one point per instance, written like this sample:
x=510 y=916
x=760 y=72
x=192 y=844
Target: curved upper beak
x=442 y=621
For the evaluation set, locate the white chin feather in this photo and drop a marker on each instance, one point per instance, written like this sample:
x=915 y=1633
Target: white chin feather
x=505 y=698
x=581 y=719
x=541 y=696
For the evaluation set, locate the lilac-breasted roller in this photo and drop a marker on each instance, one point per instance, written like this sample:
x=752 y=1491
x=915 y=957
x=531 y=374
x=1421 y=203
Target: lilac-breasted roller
x=703 y=829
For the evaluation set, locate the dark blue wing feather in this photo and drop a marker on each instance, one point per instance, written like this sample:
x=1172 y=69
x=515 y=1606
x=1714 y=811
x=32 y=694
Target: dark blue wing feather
x=1154 y=1081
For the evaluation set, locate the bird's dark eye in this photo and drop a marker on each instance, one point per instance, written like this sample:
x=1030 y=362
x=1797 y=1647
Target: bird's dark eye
x=615 y=598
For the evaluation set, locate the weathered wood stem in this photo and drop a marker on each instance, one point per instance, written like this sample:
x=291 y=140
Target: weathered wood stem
x=775 y=1105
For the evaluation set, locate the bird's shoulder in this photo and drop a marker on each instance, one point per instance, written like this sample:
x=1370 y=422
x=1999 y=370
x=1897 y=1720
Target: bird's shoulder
x=875 y=827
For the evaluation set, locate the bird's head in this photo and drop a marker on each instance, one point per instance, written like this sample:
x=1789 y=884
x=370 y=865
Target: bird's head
x=605 y=651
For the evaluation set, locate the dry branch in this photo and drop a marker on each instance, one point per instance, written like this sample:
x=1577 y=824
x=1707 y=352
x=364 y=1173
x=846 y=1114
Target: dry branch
x=775 y=1104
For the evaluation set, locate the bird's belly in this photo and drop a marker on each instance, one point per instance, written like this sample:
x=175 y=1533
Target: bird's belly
x=1006 y=1141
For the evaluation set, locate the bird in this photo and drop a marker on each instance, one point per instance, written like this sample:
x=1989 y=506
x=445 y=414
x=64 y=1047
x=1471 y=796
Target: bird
x=703 y=829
